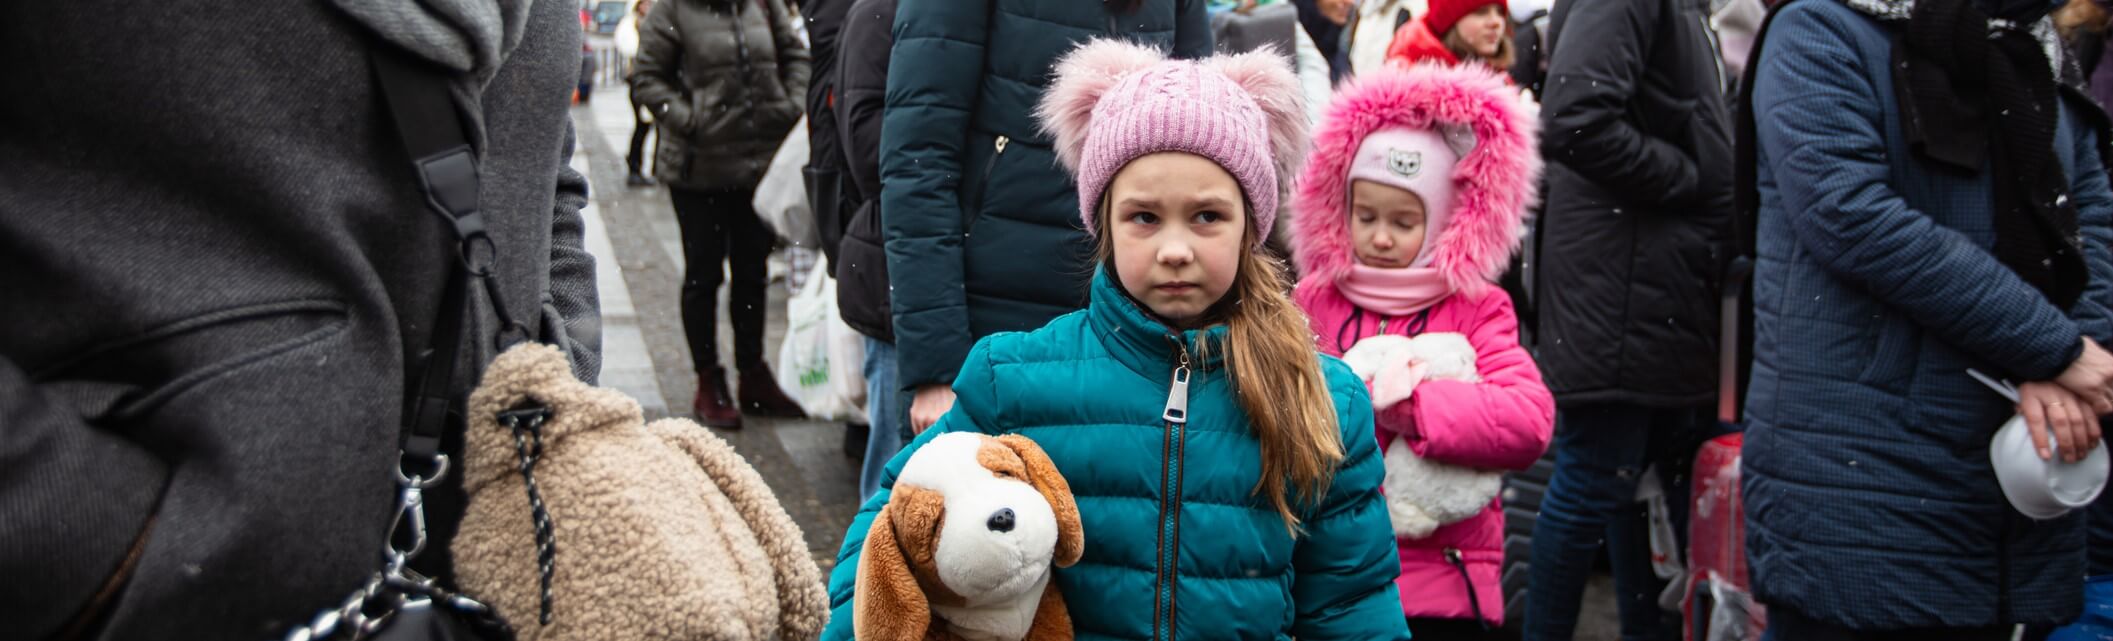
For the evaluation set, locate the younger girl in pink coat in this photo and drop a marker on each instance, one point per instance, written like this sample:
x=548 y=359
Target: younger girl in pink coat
x=1411 y=204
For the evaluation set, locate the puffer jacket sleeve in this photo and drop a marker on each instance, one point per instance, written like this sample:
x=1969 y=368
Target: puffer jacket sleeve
x=862 y=84
x=935 y=72
x=1503 y=422
x=1585 y=113
x=1345 y=561
x=1819 y=123
x=1192 y=30
x=656 y=76
x=2094 y=218
x=1313 y=75
x=795 y=62
x=975 y=397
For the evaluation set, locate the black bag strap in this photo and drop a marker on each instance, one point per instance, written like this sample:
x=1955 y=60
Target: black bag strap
x=397 y=601
x=439 y=147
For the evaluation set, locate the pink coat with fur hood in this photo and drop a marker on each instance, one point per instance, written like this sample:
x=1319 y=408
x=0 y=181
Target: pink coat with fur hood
x=1503 y=422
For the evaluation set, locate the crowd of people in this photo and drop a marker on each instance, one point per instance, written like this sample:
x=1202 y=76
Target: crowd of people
x=1282 y=310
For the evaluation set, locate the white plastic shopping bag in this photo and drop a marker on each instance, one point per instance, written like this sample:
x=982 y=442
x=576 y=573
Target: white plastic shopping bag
x=781 y=198
x=821 y=363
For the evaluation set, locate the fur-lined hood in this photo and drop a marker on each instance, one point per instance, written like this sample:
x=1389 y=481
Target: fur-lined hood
x=1494 y=183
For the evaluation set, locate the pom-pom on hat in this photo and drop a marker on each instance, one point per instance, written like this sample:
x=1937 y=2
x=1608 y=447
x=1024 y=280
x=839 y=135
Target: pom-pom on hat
x=1115 y=101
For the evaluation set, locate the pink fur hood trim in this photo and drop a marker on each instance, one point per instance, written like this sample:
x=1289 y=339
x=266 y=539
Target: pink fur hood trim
x=1494 y=183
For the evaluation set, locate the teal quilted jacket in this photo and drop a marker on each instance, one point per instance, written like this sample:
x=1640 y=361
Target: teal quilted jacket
x=1156 y=497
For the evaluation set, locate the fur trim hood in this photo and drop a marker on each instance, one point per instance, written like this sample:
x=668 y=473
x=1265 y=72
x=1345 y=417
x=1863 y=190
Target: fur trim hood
x=1494 y=183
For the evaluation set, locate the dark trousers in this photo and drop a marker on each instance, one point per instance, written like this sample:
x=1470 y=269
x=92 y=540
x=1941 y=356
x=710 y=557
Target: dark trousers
x=639 y=130
x=1785 y=624
x=1450 y=630
x=722 y=227
x=1601 y=452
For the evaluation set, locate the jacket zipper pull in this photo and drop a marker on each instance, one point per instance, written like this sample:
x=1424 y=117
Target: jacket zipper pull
x=1178 y=392
x=1001 y=144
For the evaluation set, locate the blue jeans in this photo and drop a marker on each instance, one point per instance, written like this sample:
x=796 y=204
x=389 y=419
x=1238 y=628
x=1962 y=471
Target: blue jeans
x=884 y=412
x=1601 y=452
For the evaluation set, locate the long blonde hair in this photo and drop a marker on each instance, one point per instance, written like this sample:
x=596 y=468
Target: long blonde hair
x=1275 y=373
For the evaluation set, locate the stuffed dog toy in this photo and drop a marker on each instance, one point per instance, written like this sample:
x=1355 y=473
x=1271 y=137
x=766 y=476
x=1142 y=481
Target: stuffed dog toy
x=1421 y=494
x=963 y=548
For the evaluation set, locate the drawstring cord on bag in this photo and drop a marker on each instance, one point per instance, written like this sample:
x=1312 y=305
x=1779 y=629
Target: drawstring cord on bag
x=527 y=426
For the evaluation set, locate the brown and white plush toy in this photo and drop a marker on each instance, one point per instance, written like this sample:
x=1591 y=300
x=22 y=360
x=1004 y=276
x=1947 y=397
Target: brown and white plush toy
x=964 y=547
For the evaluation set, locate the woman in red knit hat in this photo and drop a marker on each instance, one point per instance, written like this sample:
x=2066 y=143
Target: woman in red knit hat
x=1454 y=32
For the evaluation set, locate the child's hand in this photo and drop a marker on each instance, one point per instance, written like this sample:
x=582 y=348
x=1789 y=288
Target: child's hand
x=1395 y=384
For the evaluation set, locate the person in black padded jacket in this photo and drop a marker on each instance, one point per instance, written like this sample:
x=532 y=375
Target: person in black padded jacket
x=862 y=264
x=1632 y=245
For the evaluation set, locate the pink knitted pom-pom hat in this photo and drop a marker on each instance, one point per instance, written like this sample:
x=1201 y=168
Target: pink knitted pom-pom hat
x=1114 y=101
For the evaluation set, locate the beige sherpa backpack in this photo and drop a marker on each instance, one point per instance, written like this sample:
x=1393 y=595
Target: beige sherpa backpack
x=584 y=522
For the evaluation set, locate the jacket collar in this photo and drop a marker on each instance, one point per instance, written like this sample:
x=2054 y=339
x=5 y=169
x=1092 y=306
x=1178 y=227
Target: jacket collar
x=1138 y=339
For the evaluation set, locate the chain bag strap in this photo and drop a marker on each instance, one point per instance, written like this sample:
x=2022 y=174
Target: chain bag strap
x=396 y=603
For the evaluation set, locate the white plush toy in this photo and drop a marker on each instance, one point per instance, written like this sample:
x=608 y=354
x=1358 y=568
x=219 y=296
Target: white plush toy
x=1422 y=495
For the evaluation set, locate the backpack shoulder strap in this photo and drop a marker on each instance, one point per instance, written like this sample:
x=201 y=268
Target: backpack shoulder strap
x=439 y=151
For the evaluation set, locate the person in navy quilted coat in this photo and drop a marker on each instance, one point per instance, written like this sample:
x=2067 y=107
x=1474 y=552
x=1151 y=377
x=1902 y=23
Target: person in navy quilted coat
x=1894 y=254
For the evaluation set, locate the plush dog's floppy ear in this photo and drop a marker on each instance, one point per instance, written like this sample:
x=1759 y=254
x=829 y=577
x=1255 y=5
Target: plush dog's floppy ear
x=890 y=605
x=1042 y=474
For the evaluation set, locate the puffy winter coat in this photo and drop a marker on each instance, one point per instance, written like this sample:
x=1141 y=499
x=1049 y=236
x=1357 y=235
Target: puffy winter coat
x=1632 y=245
x=981 y=222
x=1875 y=290
x=1414 y=43
x=1155 y=498
x=1503 y=422
x=1371 y=31
x=2101 y=538
x=864 y=47
x=725 y=79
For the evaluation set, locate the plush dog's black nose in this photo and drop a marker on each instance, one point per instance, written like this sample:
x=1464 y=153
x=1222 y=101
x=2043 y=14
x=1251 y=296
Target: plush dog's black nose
x=1001 y=521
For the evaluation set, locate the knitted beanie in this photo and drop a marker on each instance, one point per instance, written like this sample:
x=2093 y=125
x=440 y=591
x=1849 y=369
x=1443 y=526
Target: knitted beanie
x=1446 y=13
x=1115 y=101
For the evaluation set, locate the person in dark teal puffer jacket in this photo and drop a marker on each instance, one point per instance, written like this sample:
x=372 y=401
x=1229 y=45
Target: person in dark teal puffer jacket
x=977 y=214
x=1226 y=475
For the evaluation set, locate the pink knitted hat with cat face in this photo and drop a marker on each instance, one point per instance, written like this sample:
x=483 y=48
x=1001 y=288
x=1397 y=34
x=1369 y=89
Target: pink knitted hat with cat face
x=1114 y=101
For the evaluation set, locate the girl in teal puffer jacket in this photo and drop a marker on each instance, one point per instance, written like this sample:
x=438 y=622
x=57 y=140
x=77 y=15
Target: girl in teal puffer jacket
x=1226 y=476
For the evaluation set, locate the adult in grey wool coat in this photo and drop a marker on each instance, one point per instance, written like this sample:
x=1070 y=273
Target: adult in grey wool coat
x=216 y=264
